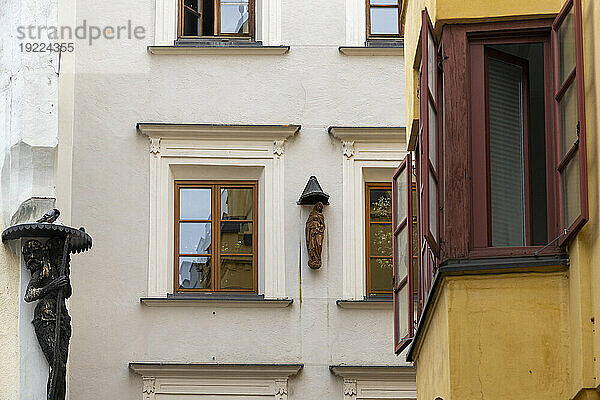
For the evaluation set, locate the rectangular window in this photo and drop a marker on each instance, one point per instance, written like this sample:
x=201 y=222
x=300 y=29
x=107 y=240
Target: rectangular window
x=379 y=238
x=215 y=236
x=210 y=18
x=383 y=18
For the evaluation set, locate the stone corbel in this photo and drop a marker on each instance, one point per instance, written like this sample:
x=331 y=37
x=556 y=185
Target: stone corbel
x=148 y=388
x=278 y=147
x=349 y=389
x=154 y=145
x=281 y=389
x=348 y=148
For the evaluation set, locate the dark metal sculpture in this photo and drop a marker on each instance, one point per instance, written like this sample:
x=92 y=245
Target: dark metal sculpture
x=313 y=193
x=315 y=233
x=46 y=256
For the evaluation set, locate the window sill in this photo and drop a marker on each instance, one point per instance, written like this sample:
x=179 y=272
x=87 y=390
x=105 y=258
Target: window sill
x=375 y=48
x=215 y=300
x=384 y=303
x=219 y=50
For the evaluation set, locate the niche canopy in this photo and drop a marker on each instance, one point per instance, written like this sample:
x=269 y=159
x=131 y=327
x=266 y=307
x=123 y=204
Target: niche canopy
x=313 y=193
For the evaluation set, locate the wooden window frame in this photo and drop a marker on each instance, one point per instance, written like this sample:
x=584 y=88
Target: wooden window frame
x=408 y=282
x=381 y=35
x=217 y=22
x=215 y=221
x=576 y=77
x=368 y=187
x=505 y=33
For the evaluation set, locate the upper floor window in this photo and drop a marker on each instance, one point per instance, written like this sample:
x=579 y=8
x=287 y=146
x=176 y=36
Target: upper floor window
x=216 y=18
x=215 y=236
x=383 y=19
x=379 y=238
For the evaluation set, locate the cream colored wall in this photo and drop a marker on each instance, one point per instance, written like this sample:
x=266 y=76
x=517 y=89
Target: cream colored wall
x=9 y=328
x=497 y=337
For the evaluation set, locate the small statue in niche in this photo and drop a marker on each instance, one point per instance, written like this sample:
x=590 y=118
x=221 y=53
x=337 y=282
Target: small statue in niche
x=48 y=265
x=315 y=232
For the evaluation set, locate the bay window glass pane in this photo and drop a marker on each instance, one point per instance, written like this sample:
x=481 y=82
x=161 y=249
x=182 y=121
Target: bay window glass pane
x=432 y=135
x=381 y=270
x=431 y=64
x=402 y=313
x=380 y=205
x=194 y=273
x=401 y=196
x=568 y=119
x=194 y=203
x=236 y=237
x=381 y=240
x=433 y=207
x=236 y=273
x=235 y=16
x=237 y=203
x=507 y=170
x=384 y=21
x=571 y=191
x=566 y=46
x=195 y=238
x=401 y=254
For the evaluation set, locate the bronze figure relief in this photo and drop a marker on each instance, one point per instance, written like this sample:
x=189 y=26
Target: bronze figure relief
x=315 y=233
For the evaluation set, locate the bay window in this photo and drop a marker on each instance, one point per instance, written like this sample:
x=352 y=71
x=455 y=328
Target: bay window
x=500 y=159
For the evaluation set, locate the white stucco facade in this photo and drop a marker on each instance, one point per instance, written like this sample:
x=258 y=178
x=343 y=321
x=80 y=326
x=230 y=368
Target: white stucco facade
x=114 y=178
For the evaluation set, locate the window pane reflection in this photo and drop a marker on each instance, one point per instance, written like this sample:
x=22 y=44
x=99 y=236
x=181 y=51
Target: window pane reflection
x=571 y=191
x=235 y=16
x=381 y=240
x=236 y=272
x=194 y=203
x=195 y=238
x=380 y=205
x=384 y=21
x=566 y=38
x=236 y=203
x=381 y=274
x=194 y=273
x=236 y=237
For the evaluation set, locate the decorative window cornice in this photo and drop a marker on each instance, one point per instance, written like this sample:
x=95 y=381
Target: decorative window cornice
x=216 y=131
x=269 y=380
x=366 y=381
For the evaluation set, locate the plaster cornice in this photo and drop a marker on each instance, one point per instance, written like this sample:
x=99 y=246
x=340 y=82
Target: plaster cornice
x=219 y=50
x=369 y=133
x=216 y=131
x=166 y=370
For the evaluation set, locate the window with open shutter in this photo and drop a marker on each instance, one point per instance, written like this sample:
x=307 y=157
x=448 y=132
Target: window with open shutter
x=403 y=286
x=571 y=163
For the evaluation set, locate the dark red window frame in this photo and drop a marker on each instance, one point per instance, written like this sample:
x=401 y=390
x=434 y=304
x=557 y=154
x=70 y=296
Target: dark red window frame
x=580 y=146
x=401 y=342
x=481 y=237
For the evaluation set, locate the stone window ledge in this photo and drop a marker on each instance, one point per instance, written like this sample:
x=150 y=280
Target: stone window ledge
x=383 y=303
x=219 y=50
x=215 y=300
x=374 y=49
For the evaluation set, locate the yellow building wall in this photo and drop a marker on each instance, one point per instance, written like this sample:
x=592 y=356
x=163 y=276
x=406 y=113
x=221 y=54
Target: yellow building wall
x=433 y=366
x=497 y=337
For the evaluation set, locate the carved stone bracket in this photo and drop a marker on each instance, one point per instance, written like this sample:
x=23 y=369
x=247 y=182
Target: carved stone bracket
x=348 y=148
x=148 y=388
x=281 y=389
x=278 y=147
x=154 y=145
x=349 y=389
